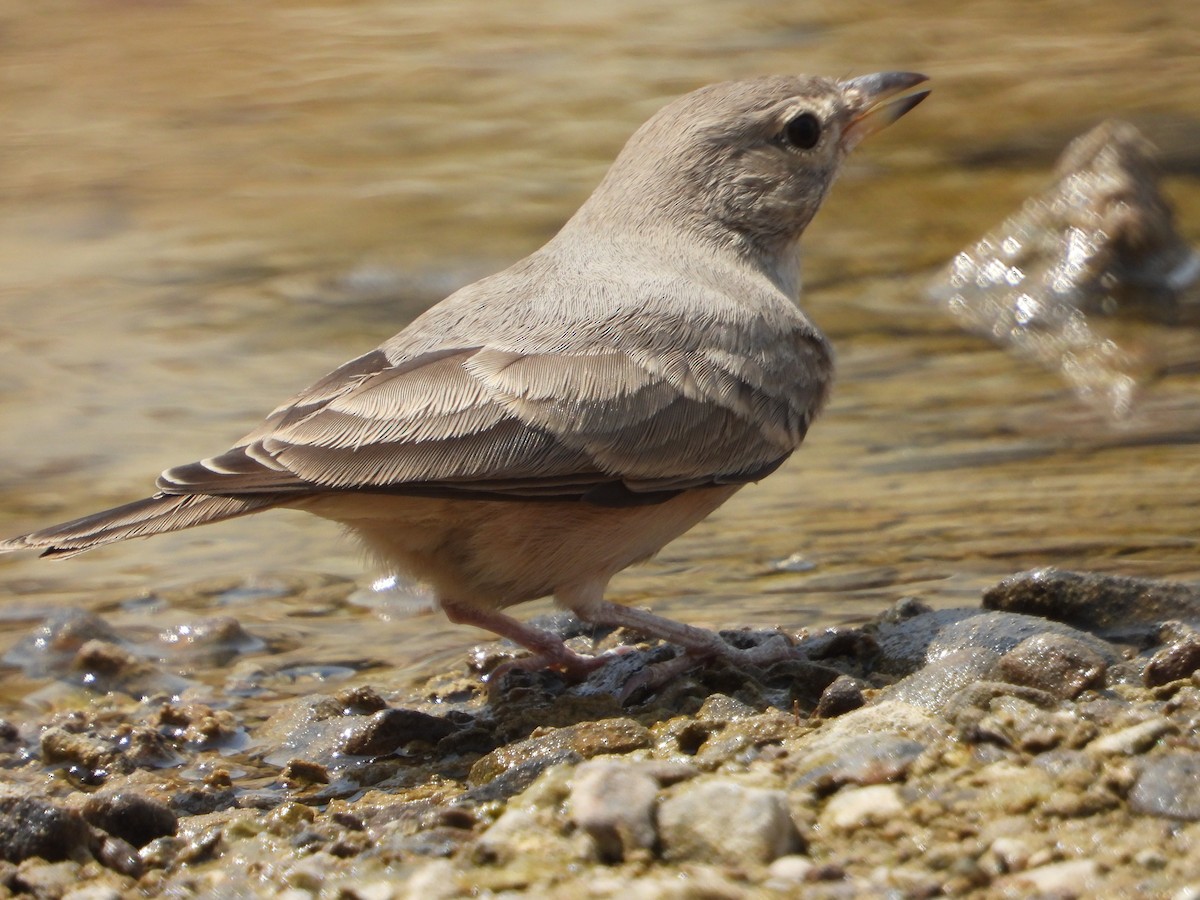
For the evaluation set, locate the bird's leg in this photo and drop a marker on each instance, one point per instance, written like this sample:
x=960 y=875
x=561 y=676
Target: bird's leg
x=549 y=650
x=697 y=643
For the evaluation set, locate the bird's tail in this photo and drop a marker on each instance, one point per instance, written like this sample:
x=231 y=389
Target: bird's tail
x=153 y=515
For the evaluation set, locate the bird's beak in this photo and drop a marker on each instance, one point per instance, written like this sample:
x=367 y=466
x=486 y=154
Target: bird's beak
x=874 y=104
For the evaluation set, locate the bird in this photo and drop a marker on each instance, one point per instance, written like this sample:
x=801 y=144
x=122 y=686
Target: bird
x=546 y=427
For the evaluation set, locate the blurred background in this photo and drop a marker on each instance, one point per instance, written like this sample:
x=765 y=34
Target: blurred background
x=204 y=206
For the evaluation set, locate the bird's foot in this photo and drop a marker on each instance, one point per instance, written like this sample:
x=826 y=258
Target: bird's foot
x=777 y=648
x=575 y=666
x=548 y=649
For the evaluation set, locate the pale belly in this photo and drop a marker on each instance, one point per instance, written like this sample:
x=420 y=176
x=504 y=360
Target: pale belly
x=493 y=553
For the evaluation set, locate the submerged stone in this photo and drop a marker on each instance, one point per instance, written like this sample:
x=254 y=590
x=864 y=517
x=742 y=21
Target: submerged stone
x=1100 y=241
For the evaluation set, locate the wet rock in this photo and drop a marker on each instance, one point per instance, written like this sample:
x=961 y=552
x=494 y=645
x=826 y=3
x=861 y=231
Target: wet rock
x=613 y=802
x=118 y=855
x=727 y=822
x=911 y=643
x=745 y=739
x=32 y=826
x=1106 y=604
x=989 y=713
x=130 y=815
x=1056 y=663
x=586 y=739
x=206 y=642
x=859 y=759
x=388 y=729
x=528 y=835
x=49 y=649
x=1168 y=786
x=300 y=772
x=932 y=686
x=9 y=735
x=347 y=732
x=1100 y=241
x=199 y=726
x=843 y=695
x=512 y=781
x=93 y=755
x=1173 y=662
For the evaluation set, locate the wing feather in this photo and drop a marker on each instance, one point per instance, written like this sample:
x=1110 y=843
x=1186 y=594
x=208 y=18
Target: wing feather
x=492 y=421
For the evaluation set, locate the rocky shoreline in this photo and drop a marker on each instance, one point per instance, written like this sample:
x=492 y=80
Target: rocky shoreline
x=1045 y=744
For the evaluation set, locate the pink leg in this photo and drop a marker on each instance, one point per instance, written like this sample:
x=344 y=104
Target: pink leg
x=548 y=650
x=698 y=643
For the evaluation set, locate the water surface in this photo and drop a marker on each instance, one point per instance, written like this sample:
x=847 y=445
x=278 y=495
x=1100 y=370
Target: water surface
x=205 y=206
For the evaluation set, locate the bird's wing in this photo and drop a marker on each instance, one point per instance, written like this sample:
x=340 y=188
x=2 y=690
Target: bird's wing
x=487 y=421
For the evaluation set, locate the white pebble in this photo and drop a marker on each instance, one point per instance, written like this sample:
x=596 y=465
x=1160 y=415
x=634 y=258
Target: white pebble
x=857 y=807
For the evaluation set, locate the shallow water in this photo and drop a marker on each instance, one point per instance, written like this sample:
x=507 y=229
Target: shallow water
x=205 y=206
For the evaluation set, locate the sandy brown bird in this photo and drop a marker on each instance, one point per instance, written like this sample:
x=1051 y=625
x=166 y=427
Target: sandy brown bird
x=544 y=428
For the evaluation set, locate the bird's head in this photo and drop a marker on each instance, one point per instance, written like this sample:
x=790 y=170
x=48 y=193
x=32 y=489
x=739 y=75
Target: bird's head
x=747 y=162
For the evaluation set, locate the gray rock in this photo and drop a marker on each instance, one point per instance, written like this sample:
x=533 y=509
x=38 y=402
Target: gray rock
x=38 y=827
x=130 y=815
x=932 y=686
x=587 y=739
x=843 y=694
x=907 y=645
x=727 y=822
x=1169 y=787
x=614 y=803
x=860 y=759
x=1061 y=665
x=1177 y=660
x=1095 y=602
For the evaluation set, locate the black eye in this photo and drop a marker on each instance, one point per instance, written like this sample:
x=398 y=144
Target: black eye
x=803 y=131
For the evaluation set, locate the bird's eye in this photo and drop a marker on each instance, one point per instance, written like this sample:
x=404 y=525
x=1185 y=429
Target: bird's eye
x=803 y=132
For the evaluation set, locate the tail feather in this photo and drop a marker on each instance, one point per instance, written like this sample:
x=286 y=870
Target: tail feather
x=152 y=515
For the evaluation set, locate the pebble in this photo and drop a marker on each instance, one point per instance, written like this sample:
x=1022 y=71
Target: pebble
x=1134 y=739
x=788 y=871
x=1011 y=853
x=1177 y=660
x=855 y=807
x=387 y=730
x=131 y=816
x=46 y=879
x=587 y=739
x=910 y=643
x=93 y=892
x=859 y=759
x=435 y=880
x=1059 y=664
x=726 y=822
x=1168 y=786
x=32 y=826
x=614 y=803
x=1093 y=601
x=1069 y=879
x=843 y=694
x=933 y=685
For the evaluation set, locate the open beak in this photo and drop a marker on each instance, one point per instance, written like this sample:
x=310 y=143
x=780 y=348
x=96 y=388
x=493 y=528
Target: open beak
x=876 y=101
